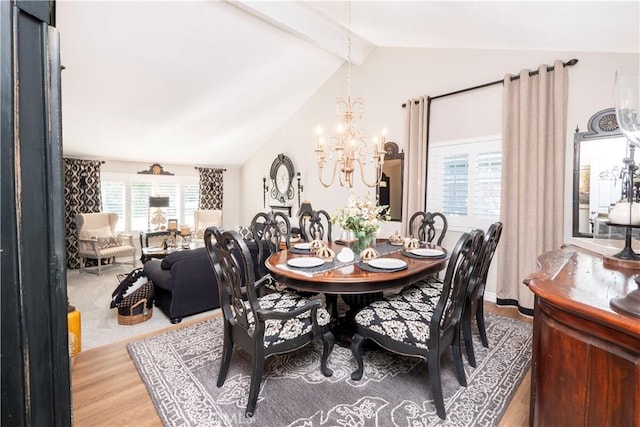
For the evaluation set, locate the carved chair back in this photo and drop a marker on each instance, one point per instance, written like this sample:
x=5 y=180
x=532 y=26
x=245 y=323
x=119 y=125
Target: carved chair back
x=316 y=225
x=428 y=226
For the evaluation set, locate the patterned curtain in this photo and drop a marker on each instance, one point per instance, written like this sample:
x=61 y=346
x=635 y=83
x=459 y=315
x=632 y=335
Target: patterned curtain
x=81 y=195
x=211 y=186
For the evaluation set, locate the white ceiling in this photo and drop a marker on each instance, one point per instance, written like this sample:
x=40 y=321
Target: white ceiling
x=208 y=82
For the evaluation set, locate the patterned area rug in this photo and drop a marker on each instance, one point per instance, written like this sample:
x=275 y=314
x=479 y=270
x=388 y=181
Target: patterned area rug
x=180 y=369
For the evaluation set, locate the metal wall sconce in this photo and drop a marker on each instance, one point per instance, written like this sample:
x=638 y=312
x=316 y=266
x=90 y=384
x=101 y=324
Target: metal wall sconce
x=300 y=189
x=265 y=190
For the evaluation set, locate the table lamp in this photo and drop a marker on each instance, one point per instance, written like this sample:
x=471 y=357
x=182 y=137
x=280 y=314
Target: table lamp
x=157 y=218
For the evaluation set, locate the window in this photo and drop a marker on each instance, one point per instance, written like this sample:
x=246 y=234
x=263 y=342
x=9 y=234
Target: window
x=464 y=181
x=128 y=196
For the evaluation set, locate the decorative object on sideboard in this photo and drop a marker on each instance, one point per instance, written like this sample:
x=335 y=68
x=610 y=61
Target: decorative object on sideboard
x=157 y=217
x=155 y=169
x=627 y=96
x=349 y=146
x=305 y=209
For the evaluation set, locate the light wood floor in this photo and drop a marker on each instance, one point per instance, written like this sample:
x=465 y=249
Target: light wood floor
x=107 y=390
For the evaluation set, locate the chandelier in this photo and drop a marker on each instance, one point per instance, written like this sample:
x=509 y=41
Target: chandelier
x=347 y=148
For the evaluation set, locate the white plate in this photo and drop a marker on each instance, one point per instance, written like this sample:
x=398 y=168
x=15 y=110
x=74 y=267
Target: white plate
x=305 y=262
x=304 y=246
x=427 y=252
x=387 y=263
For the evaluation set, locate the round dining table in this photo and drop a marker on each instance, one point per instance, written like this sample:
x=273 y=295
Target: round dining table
x=356 y=286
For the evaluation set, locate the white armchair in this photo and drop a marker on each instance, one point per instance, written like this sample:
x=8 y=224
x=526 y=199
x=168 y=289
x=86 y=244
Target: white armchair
x=206 y=218
x=97 y=239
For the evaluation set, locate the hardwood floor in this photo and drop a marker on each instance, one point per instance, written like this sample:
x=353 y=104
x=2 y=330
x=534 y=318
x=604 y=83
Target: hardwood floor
x=107 y=390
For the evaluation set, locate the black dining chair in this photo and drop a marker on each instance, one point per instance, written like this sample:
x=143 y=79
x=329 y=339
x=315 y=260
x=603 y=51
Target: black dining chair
x=277 y=322
x=430 y=227
x=474 y=303
x=315 y=225
x=422 y=320
x=272 y=229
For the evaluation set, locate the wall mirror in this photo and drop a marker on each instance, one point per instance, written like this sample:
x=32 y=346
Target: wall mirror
x=597 y=156
x=281 y=175
x=390 y=187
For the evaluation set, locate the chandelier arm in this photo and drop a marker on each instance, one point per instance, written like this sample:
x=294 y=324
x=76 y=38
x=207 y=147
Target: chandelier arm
x=333 y=175
x=378 y=174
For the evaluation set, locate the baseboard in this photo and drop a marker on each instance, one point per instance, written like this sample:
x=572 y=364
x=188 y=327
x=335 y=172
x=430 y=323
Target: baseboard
x=490 y=296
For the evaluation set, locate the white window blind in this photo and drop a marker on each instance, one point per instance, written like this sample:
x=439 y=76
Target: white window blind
x=455 y=184
x=128 y=196
x=487 y=182
x=190 y=198
x=113 y=200
x=464 y=181
x=140 y=192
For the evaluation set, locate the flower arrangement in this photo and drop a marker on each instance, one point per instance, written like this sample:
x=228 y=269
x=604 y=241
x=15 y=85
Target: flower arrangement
x=361 y=216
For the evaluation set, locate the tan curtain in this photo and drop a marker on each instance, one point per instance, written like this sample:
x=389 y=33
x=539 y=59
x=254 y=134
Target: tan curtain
x=415 y=160
x=533 y=153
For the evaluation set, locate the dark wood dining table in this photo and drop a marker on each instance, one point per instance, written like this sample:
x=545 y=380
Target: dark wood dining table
x=353 y=284
x=350 y=279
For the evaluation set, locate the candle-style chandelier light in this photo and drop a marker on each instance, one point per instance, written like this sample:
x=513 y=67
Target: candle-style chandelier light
x=348 y=147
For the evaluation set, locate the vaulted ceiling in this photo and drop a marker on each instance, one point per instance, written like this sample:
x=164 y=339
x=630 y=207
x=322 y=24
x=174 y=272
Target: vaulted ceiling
x=208 y=82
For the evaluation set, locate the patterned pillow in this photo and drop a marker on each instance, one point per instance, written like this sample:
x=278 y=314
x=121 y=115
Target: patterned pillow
x=109 y=242
x=96 y=232
x=244 y=232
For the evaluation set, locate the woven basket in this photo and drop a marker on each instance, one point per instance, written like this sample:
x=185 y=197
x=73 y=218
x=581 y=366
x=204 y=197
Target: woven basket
x=137 y=307
x=139 y=312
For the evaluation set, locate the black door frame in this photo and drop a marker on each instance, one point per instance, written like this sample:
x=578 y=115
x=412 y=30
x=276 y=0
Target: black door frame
x=36 y=382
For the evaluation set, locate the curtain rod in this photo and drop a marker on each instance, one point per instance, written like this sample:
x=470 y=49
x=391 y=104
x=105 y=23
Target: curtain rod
x=202 y=167
x=569 y=63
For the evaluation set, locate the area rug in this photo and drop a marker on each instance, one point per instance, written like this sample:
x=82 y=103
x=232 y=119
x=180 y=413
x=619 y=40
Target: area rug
x=180 y=369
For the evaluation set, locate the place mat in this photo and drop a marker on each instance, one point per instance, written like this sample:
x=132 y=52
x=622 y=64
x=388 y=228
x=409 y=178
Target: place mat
x=300 y=251
x=382 y=249
x=314 y=270
x=366 y=267
x=411 y=255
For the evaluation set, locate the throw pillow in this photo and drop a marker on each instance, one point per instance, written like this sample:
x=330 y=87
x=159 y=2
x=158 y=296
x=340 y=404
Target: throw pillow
x=96 y=232
x=108 y=242
x=131 y=283
x=244 y=232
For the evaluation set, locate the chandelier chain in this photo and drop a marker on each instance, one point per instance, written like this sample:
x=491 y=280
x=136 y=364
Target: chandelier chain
x=348 y=49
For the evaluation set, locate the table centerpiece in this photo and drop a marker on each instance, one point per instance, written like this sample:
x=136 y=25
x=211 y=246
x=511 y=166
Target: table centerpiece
x=362 y=218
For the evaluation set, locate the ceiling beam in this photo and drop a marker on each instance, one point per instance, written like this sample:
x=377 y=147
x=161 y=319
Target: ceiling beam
x=305 y=22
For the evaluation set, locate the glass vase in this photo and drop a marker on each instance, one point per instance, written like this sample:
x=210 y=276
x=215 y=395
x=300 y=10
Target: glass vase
x=363 y=241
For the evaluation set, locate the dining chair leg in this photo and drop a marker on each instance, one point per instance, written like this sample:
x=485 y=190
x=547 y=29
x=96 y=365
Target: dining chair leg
x=227 y=349
x=327 y=347
x=433 y=362
x=468 y=339
x=481 y=328
x=254 y=389
x=356 y=350
x=457 y=361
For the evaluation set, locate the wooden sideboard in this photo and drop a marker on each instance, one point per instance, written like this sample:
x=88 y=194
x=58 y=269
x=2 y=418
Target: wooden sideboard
x=586 y=357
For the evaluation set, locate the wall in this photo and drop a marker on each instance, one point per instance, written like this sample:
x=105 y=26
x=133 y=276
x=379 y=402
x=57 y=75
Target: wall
x=389 y=77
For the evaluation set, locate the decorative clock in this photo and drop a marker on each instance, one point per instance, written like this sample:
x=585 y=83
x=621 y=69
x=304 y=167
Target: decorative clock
x=281 y=174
